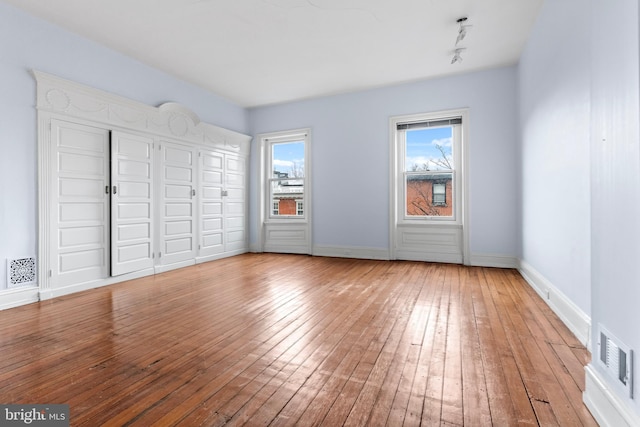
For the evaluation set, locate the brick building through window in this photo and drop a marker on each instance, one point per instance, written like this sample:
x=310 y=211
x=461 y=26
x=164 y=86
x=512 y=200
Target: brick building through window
x=429 y=195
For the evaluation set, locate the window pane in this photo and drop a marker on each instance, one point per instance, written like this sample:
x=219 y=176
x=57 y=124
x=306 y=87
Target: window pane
x=429 y=149
x=429 y=194
x=287 y=160
x=287 y=196
x=439 y=194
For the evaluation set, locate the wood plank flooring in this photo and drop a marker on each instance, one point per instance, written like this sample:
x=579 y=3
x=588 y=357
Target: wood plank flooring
x=267 y=339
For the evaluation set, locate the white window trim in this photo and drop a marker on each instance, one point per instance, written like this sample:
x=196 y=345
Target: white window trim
x=396 y=215
x=265 y=209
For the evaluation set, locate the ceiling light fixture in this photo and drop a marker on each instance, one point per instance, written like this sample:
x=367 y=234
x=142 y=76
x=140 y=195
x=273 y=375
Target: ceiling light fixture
x=462 y=32
x=456 y=55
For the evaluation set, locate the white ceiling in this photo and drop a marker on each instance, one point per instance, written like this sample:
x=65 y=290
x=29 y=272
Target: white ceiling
x=258 y=52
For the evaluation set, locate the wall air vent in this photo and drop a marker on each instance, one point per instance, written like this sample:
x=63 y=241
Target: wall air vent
x=616 y=358
x=21 y=272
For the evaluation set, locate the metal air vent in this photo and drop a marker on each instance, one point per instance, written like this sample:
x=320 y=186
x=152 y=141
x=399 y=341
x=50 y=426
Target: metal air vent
x=617 y=358
x=21 y=272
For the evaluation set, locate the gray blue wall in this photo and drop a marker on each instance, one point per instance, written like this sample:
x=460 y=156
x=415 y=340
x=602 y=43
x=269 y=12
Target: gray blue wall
x=579 y=101
x=350 y=157
x=554 y=105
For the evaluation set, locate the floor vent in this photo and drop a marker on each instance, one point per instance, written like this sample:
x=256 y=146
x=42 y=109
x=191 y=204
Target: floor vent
x=21 y=272
x=617 y=359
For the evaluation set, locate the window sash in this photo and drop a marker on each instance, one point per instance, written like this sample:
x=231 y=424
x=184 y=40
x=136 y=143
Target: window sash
x=452 y=205
x=286 y=189
x=420 y=199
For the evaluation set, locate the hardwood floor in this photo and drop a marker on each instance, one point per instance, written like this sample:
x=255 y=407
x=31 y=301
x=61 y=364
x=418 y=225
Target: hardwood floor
x=265 y=339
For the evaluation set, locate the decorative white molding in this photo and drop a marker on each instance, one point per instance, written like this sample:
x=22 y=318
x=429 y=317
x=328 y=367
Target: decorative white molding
x=171 y=120
x=358 y=252
x=497 y=261
x=573 y=317
x=606 y=406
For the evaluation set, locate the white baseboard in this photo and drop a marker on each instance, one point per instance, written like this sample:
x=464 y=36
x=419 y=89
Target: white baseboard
x=351 y=252
x=497 y=261
x=576 y=320
x=174 y=266
x=202 y=259
x=46 y=294
x=605 y=406
x=255 y=248
x=18 y=296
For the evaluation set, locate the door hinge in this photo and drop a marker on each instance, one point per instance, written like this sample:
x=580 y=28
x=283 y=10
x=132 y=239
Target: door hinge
x=159 y=254
x=199 y=247
x=193 y=192
x=153 y=255
x=50 y=273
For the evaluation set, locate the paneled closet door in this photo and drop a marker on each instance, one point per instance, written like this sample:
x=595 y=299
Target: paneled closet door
x=235 y=203
x=211 y=214
x=131 y=203
x=79 y=204
x=177 y=222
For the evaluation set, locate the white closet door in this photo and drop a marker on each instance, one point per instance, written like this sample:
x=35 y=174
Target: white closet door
x=235 y=203
x=211 y=214
x=131 y=203
x=79 y=204
x=177 y=227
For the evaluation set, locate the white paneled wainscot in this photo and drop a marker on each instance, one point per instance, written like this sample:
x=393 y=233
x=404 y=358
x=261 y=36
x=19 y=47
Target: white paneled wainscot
x=128 y=190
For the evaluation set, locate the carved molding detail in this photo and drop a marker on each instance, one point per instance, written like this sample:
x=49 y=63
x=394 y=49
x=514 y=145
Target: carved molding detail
x=173 y=120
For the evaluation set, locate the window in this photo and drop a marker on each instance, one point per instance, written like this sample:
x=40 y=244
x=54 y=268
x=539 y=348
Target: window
x=428 y=194
x=429 y=167
x=284 y=221
x=439 y=194
x=286 y=177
